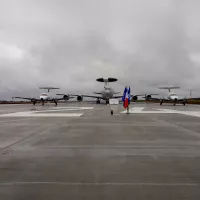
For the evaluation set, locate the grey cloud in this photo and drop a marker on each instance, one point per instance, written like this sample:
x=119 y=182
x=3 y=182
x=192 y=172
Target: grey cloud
x=71 y=43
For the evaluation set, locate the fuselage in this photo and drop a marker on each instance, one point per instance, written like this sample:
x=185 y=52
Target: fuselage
x=173 y=97
x=107 y=93
x=44 y=96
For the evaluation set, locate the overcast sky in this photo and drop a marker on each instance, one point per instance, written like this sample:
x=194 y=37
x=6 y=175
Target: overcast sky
x=70 y=43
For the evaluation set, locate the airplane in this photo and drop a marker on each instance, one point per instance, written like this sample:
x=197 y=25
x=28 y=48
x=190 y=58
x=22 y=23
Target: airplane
x=106 y=93
x=172 y=97
x=45 y=97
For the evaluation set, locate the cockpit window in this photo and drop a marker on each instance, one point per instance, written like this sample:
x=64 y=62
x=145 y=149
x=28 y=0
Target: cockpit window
x=44 y=94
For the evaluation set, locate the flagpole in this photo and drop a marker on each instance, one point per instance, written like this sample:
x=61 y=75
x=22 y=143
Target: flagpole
x=127 y=110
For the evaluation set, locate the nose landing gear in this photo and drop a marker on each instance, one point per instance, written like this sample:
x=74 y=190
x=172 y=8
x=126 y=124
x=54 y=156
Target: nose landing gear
x=175 y=101
x=42 y=101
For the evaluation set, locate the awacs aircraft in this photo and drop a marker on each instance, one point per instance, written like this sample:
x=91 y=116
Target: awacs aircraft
x=45 y=97
x=106 y=93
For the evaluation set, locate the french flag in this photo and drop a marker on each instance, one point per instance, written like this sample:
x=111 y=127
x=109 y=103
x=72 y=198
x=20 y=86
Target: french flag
x=126 y=96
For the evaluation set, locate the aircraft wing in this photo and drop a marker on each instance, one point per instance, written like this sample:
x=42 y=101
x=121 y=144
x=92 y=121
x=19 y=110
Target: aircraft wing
x=26 y=98
x=196 y=98
x=116 y=97
x=156 y=99
x=131 y=96
x=91 y=96
x=97 y=92
x=58 y=99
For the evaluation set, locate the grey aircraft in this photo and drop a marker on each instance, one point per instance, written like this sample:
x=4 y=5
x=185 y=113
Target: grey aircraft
x=106 y=93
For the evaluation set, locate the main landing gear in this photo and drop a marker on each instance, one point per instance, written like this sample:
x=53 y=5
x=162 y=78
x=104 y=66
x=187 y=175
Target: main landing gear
x=98 y=101
x=107 y=102
x=56 y=102
x=161 y=102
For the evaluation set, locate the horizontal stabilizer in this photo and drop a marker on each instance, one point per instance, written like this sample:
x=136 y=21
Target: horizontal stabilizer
x=106 y=79
x=175 y=87
x=49 y=88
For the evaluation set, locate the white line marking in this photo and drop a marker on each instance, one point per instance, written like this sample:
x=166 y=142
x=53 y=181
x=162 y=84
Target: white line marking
x=46 y=113
x=34 y=114
x=17 y=120
x=70 y=109
x=75 y=108
x=100 y=184
x=139 y=110
x=170 y=111
x=134 y=110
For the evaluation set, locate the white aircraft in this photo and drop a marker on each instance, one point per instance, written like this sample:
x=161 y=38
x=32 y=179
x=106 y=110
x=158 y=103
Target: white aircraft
x=45 y=97
x=172 y=97
x=106 y=93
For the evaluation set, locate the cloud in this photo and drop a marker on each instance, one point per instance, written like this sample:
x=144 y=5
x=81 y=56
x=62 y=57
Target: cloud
x=71 y=43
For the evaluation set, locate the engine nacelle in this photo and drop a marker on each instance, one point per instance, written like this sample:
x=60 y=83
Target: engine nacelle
x=148 y=97
x=134 y=98
x=66 y=97
x=79 y=98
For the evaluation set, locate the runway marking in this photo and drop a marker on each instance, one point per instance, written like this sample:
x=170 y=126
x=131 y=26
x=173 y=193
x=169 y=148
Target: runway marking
x=139 y=110
x=34 y=114
x=100 y=184
x=45 y=113
x=135 y=110
x=75 y=108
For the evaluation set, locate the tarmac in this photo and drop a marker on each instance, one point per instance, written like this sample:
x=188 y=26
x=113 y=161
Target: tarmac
x=81 y=151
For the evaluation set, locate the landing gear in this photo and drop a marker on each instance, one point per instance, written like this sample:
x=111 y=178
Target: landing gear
x=161 y=102
x=56 y=102
x=184 y=103
x=34 y=102
x=107 y=102
x=98 y=101
x=175 y=101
